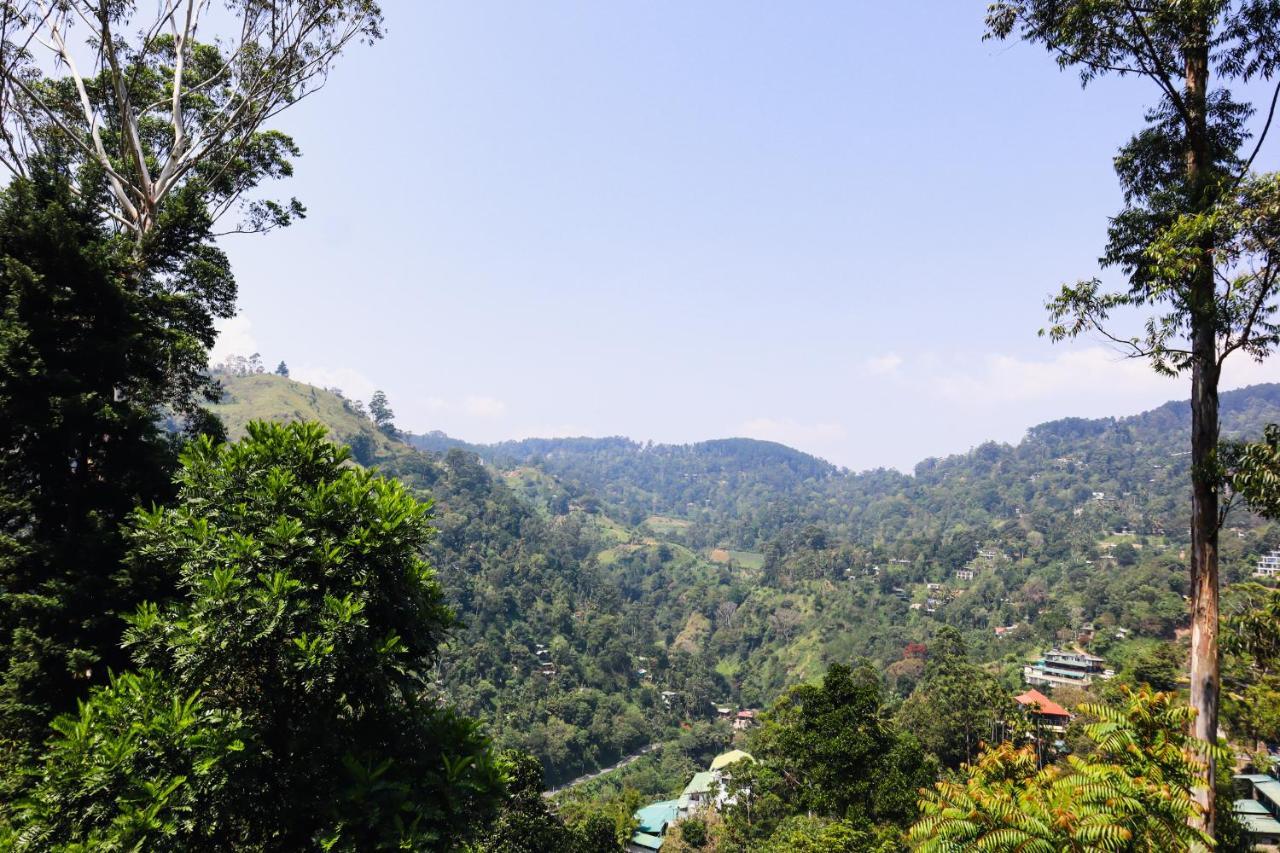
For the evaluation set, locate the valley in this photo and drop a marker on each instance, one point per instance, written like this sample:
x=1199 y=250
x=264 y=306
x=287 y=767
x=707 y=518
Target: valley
x=610 y=593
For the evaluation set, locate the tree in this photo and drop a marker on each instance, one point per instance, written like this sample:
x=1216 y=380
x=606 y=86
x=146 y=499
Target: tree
x=1197 y=239
x=172 y=105
x=957 y=706
x=807 y=834
x=310 y=621
x=525 y=823
x=163 y=756
x=838 y=753
x=1253 y=470
x=282 y=369
x=1133 y=794
x=381 y=412
x=93 y=356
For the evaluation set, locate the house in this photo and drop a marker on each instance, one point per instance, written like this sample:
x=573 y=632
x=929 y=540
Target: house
x=1044 y=712
x=964 y=574
x=1003 y=631
x=1263 y=829
x=1268 y=565
x=698 y=793
x=721 y=767
x=724 y=759
x=723 y=713
x=653 y=821
x=745 y=720
x=1259 y=810
x=1059 y=667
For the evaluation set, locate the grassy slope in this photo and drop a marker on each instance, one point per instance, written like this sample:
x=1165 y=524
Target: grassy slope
x=267 y=397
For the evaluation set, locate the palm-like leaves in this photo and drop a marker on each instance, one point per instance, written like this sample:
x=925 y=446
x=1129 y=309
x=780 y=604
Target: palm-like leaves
x=1134 y=795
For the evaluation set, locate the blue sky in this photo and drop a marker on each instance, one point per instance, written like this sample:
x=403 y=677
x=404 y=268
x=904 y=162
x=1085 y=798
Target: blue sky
x=830 y=224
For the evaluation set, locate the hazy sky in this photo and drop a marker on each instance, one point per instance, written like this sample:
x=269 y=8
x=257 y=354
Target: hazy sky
x=830 y=224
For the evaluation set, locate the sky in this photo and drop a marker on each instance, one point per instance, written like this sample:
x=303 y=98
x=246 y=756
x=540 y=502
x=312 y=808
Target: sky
x=828 y=224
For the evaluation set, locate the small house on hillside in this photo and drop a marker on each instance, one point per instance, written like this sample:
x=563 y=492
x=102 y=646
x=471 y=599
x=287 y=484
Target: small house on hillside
x=1043 y=711
x=1268 y=565
x=722 y=768
x=1258 y=810
x=653 y=821
x=1063 y=667
x=745 y=720
x=698 y=793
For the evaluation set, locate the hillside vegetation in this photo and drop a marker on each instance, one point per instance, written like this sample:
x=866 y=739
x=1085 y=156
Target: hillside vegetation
x=590 y=576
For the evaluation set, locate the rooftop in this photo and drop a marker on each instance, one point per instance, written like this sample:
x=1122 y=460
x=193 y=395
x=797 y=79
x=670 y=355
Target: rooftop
x=726 y=758
x=644 y=839
x=701 y=783
x=654 y=818
x=1045 y=705
x=1256 y=824
x=1266 y=786
x=1250 y=807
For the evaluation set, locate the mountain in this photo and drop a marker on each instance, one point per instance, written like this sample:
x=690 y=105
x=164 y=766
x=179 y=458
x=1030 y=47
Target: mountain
x=609 y=591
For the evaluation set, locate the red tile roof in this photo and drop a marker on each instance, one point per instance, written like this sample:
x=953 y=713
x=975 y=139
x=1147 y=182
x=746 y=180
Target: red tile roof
x=1046 y=705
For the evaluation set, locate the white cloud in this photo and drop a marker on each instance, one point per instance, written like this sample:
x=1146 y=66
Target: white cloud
x=882 y=365
x=235 y=337
x=483 y=407
x=1070 y=373
x=1077 y=374
x=353 y=383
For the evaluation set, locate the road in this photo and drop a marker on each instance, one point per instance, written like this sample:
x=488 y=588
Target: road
x=597 y=774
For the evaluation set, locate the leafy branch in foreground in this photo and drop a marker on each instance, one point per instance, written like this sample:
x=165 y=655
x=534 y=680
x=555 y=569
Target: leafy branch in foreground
x=308 y=620
x=1134 y=794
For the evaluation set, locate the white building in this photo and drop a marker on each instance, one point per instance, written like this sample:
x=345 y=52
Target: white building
x=1268 y=565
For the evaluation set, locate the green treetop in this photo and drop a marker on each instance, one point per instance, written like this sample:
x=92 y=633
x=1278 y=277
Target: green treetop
x=309 y=617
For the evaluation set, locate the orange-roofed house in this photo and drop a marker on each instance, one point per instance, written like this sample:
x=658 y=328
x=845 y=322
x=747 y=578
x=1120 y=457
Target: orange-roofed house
x=1044 y=710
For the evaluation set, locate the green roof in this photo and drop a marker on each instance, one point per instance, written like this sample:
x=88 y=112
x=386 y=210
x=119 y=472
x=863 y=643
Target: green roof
x=1250 y=807
x=1265 y=785
x=1260 y=824
x=644 y=839
x=701 y=783
x=654 y=818
x=726 y=758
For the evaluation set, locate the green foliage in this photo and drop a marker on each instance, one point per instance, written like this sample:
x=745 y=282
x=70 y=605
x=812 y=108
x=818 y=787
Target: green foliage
x=957 y=706
x=1254 y=471
x=1251 y=639
x=526 y=823
x=529 y=556
x=1133 y=794
x=693 y=833
x=138 y=767
x=808 y=834
x=95 y=349
x=829 y=750
x=380 y=411
x=309 y=618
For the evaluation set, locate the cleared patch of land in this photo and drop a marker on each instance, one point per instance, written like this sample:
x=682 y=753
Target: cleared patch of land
x=745 y=559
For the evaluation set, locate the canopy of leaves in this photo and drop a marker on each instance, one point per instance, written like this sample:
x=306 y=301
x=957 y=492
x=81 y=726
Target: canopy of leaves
x=307 y=615
x=1133 y=794
x=94 y=353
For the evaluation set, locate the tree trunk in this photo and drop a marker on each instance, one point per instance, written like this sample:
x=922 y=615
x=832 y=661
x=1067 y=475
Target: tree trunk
x=1204 y=429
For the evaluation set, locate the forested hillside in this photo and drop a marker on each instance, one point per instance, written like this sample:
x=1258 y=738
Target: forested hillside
x=593 y=575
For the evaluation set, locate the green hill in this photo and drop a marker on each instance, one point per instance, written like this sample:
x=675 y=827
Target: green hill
x=267 y=397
